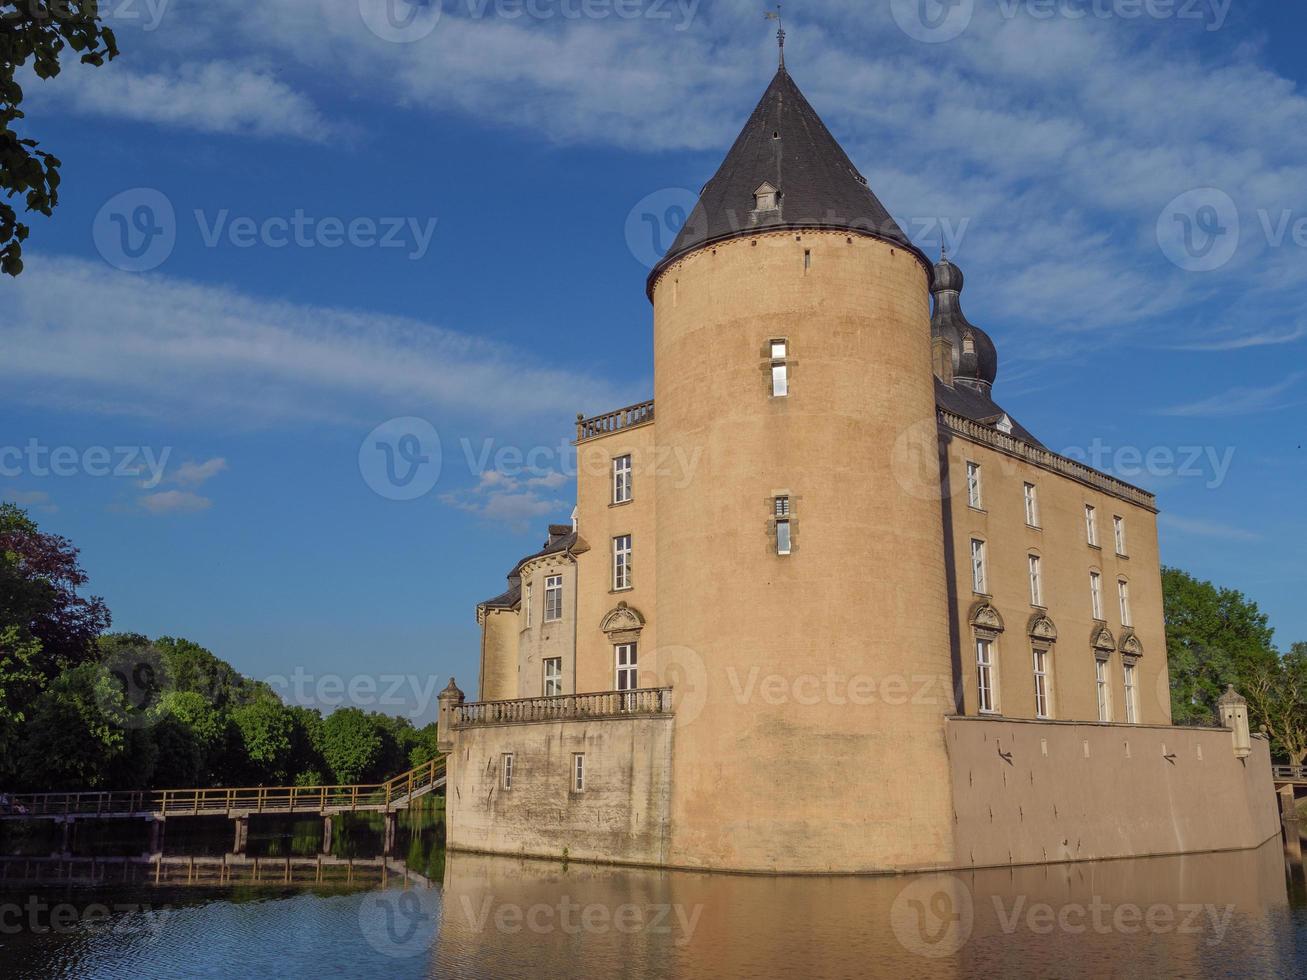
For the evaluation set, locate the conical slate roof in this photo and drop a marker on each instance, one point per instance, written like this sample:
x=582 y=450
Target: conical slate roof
x=785 y=144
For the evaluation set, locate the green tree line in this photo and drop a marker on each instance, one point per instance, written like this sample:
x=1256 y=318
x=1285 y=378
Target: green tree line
x=84 y=708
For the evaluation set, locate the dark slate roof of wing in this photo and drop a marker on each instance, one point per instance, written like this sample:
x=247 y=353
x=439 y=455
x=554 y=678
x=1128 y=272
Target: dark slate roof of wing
x=979 y=407
x=785 y=144
x=558 y=542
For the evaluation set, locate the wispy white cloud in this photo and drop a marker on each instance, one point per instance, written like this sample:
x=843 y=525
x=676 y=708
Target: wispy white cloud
x=1239 y=400
x=1266 y=338
x=193 y=474
x=175 y=502
x=32 y=499
x=517 y=502
x=1206 y=529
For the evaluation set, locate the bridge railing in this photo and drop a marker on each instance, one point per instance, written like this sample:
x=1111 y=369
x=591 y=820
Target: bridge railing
x=1292 y=774
x=249 y=799
x=607 y=704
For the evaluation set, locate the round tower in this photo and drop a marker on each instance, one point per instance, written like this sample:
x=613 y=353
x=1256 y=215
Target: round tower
x=792 y=346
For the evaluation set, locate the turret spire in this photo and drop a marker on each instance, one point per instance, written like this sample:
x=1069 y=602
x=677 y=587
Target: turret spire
x=780 y=31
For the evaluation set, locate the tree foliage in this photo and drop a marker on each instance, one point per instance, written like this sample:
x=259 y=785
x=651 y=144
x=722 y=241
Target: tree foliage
x=39 y=32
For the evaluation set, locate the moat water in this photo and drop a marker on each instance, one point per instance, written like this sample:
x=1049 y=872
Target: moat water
x=423 y=913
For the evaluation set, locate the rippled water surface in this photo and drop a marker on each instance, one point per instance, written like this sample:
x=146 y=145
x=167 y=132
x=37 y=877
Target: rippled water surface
x=427 y=914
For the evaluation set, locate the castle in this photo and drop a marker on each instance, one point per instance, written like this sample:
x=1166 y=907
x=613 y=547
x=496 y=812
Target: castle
x=829 y=608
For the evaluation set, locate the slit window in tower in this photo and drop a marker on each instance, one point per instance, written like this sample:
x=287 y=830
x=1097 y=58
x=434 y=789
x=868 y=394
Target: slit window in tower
x=782 y=525
x=506 y=768
x=780 y=368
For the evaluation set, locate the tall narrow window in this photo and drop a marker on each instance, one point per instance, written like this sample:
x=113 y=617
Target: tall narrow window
x=628 y=669
x=1036 y=581
x=1131 y=692
x=578 y=772
x=622 y=562
x=1032 y=505
x=1091 y=525
x=1104 y=691
x=553 y=677
x=1123 y=590
x=1118 y=531
x=621 y=479
x=1043 y=699
x=526 y=603
x=506 y=770
x=986 y=676
x=780 y=368
x=1096 y=594
x=782 y=525
x=974 y=494
x=553 y=598
x=978 y=577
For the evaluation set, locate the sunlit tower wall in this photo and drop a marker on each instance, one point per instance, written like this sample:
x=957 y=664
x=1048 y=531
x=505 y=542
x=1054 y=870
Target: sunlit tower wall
x=813 y=686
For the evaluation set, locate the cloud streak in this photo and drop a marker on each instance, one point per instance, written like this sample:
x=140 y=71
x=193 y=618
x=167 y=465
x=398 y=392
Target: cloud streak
x=1239 y=400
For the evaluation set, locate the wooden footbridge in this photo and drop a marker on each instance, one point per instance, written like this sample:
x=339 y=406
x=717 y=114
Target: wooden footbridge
x=235 y=803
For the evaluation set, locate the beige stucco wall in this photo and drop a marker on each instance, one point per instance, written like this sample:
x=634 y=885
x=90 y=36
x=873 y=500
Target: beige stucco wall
x=805 y=781
x=622 y=815
x=1066 y=562
x=541 y=640
x=499 y=632
x=1039 y=792
x=599 y=521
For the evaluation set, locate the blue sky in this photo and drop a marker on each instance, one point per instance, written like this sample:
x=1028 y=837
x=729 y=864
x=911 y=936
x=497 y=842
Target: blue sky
x=471 y=192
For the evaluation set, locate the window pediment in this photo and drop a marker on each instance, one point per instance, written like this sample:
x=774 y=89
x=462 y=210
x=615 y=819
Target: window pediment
x=1042 y=628
x=1130 y=646
x=984 y=616
x=622 y=623
x=1103 y=640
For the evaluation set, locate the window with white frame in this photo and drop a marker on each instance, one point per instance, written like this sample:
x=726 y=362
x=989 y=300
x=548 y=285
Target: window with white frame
x=1043 y=687
x=1032 y=505
x=506 y=770
x=622 y=479
x=1123 y=590
x=1104 y=690
x=978 y=573
x=1096 y=594
x=1091 y=525
x=578 y=772
x=1036 y=581
x=622 y=562
x=1131 y=693
x=975 y=495
x=986 y=676
x=628 y=667
x=1118 y=531
x=553 y=598
x=553 y=677
x=526 y=604
x=780 y=368
x=782 y=509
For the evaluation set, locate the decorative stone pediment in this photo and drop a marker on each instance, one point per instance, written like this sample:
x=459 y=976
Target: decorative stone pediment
x=622 y=624
x=985 y=617
x=1103 y=640
x=1130 y=646
x=1042 y=628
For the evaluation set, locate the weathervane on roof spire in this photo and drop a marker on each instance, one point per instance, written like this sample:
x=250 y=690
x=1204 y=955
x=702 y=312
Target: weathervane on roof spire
x=780 y=30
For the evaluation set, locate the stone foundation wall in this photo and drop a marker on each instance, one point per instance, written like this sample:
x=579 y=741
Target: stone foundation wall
x=1039 y=792
x=622 y=814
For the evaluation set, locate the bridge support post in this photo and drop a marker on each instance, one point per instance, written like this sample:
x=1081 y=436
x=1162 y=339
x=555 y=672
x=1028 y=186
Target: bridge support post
x=242 y=834
x=156 y=835
x=69 y=835
x=391 y=832
x=326 y=835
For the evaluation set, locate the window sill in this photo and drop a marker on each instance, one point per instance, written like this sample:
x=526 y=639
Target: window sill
x=1096 y=547
x=1119 y=555
x=990 y=713
x=1041 y=608
x=628 y=588
x=621 y=503
x=977 y=510
x=550 y=621
x=1034 y=527
x=981 y=595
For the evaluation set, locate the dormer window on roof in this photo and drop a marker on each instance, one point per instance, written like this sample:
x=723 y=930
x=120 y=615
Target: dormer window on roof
x=1004 y=425
x=766 y=198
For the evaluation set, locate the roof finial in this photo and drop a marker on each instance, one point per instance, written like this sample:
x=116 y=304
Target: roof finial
x=780 y=30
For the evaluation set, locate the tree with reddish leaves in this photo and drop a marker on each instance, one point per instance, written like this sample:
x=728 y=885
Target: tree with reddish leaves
x=40 y=601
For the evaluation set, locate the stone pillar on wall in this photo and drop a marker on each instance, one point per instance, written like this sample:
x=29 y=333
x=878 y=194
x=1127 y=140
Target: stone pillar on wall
x=449 y=700
x=1233 y=711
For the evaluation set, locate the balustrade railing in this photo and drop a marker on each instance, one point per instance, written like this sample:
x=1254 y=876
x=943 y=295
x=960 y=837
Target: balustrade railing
x=1291 y=774
x=623 y=418
x=608 y=704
